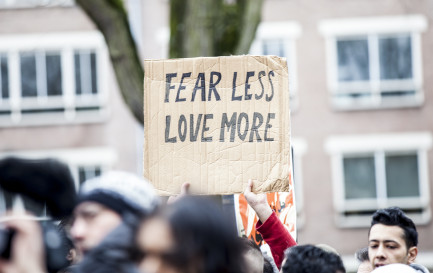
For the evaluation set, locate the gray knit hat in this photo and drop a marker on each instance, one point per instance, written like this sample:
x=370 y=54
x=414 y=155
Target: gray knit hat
x=120 y=191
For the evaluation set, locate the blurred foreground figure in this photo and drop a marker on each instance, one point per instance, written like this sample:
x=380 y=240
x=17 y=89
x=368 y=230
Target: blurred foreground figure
x=395 y=268
x=189 y=235
x=27 y=243
x=311 y=259
x=109 y=209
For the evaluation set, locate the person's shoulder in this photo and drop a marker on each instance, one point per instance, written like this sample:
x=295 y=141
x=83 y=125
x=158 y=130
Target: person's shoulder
x=419 y=268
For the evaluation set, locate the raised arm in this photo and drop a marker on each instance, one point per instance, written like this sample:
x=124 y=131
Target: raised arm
x=269 y=226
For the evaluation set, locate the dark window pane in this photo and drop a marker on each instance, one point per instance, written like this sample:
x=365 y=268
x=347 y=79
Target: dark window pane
x=77 y=73
x=274 y=47
x=406 y=93
x=28 y=75
x=88 y=172
x=54 y=75
x=4 y=77
x=359 y=177
x=402 y=175
x=97 y=171
x=395 y=58
x=353 y=63
x=93 y=70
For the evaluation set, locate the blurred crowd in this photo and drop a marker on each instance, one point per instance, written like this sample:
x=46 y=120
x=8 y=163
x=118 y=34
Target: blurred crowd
x=117 y=223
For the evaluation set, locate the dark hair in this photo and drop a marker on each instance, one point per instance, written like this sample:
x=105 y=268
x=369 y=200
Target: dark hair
x=362 y=255
x=267 y=266
x=252 y=250
x=311 y=259
x=204 y=239
x=249 y=245
x=394 y=216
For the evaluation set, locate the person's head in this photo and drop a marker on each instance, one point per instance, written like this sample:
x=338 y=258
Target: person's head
x=190 y=235
x=253 y=256
x=393 y=238
x=364 y=262
x=103 y=203
x=309 y=258
x=269 y=265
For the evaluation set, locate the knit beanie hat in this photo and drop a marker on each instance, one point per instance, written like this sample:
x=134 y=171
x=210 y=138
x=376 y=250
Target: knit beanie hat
x=121 y=192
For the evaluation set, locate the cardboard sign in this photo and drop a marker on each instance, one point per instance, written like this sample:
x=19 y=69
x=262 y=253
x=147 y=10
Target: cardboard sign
x=215 y=122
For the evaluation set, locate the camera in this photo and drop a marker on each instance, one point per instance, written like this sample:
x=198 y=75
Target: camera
x=48 y=183
x=56 y=245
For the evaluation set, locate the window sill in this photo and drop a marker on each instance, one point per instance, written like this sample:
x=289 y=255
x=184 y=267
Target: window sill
x=364 y=221
x=355 y=105
x=54 y=118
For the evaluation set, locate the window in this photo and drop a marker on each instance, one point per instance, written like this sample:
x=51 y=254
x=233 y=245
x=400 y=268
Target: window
x=278 y=38
x=34 y=3
x=88 y=172
x=4 y=77
x=374 y=62
x=376 y=171
x=84 y=163
x=85 y=72
x=52 y=78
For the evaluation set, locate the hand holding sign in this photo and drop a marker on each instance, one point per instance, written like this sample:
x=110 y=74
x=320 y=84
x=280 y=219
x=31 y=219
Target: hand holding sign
x=184 y=190
x=258 y=202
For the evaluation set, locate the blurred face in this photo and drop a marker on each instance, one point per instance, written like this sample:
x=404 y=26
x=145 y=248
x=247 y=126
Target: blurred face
x=92 y=223
x=387 y=246
x=156 y=244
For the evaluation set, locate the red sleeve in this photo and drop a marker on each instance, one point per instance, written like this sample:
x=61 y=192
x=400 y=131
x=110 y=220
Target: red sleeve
x=276 y=236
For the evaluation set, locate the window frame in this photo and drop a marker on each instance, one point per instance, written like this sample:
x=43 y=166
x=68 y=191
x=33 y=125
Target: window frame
x=28 y=111
x=349 y=213
x=20 y=4
x=286 y=32
x=372 y=29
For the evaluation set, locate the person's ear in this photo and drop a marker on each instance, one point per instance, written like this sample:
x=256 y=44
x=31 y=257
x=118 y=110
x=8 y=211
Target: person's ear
x=412 y=253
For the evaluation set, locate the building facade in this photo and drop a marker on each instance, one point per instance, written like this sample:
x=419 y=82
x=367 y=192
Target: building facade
x=58 y=93
x=361 y=103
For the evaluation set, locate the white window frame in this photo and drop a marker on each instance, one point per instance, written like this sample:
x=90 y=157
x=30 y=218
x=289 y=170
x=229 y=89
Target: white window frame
x=13 y=4
x=286 y=32
x=378 y=145
x=66 y=44
x=371 y=29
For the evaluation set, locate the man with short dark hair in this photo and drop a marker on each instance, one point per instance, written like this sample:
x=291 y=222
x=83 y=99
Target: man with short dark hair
x=393 y=238
x=312 y=259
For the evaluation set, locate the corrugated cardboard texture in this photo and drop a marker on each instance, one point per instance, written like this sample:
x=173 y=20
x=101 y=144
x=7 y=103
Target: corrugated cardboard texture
x=215 y=122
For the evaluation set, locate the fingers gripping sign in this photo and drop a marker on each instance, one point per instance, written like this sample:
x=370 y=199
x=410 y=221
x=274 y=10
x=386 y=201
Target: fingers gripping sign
x=184 y=190
x=258 y=202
